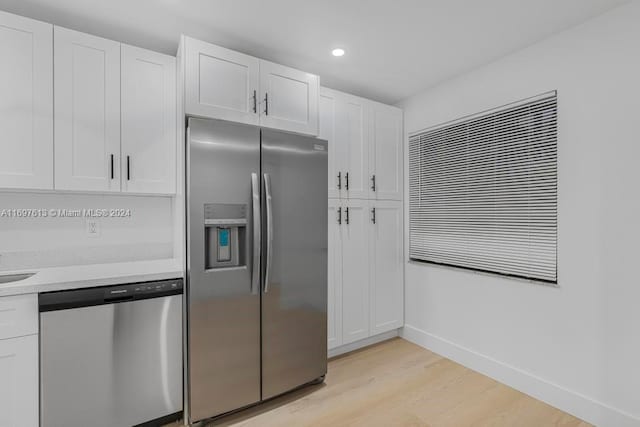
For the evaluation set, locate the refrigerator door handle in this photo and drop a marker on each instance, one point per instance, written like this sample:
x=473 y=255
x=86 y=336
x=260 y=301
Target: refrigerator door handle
x=255 y=269
x=267 y=191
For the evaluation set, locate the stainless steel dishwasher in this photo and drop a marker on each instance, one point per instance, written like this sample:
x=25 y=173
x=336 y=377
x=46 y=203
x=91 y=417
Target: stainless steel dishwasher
x=111 y=356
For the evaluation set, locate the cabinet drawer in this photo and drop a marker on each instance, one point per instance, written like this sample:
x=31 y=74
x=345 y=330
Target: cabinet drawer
x=18 y=315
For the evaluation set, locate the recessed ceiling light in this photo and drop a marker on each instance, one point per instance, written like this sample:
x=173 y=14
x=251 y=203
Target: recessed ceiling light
x=337 y=52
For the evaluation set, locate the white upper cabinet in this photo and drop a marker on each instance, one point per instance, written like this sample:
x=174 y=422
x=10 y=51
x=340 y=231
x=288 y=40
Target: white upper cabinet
x=385 y=171
x=220 y=83
x=63 y=124
x=365 y=146
x=337 y=151
x=87 y=112
x=26 y=102
x=352 y=134
x=289 y=99
x=228 y=85
x=386 y=264
x=148 y=121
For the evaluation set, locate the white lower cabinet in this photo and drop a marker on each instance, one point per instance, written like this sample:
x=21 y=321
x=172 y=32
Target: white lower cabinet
x=386 y=267
x=334 y=275
x=366 y=280
x=355 y=271
x=19 y=385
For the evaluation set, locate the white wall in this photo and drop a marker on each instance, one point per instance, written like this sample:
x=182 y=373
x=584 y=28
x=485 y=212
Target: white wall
x=47 y=242
x=576 y=346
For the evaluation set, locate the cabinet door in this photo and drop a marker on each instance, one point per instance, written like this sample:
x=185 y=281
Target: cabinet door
x=220 y=83
x=26 y=102
x=387 y=269
x=337 y=149
x=334 y=301
x=386 y=152
x=355 y=271
x=289 y=99
x=148 y=121
x=352 y=130
x=19 y=386
x=87 y=112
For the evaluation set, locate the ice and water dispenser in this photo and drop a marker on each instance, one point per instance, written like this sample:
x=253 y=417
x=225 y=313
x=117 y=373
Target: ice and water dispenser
x=225 y=235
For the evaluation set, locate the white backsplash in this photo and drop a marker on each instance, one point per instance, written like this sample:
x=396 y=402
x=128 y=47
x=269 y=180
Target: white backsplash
x=28 y=242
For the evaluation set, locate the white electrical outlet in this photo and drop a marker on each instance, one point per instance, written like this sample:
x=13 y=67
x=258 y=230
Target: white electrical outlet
x=93 y=228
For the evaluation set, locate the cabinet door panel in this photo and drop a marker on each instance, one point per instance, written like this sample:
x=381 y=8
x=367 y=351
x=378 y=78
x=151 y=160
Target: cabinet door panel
x=87 y=112
x=26 y=102
x=18 y=315
x=334 y=301
x=148 y=121
x=387 y=269
x=352 y=129
x=220 y=83
x=386 y=152
x=289 y=99
x=337 y=150
x=19 y=386
x=355 y=271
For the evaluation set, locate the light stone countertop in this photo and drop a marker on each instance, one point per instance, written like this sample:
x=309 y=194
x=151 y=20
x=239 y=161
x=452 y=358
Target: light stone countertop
x=93 y=275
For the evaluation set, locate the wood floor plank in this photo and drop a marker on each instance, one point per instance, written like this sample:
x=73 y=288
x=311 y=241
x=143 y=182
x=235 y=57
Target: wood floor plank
x=397 y=383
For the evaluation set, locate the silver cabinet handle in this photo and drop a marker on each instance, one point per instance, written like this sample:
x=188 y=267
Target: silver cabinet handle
x=373 y=215
x=255 y=102
x=255 y=269
x=266 y=104
x=339 y=180
x=373 y=182
x=112 y=167
x=268 y=197
x=346 y=178
x=346 y=219
x=128 y=168
x=339 y=215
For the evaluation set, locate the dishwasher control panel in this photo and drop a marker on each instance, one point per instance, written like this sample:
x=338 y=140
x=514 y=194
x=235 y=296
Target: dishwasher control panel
x=141 y=288
x=60 y=300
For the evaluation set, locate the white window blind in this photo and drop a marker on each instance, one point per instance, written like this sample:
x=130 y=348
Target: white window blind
x=483 y=191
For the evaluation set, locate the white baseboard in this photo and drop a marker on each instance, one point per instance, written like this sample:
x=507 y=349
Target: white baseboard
x=363 y=343
x=581 y=406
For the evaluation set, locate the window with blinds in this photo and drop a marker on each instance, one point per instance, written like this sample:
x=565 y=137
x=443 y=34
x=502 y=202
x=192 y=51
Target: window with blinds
x=483 y=191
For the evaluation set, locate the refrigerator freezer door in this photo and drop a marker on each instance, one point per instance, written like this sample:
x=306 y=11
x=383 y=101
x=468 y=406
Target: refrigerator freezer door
x=294 y=301
x=223 y=160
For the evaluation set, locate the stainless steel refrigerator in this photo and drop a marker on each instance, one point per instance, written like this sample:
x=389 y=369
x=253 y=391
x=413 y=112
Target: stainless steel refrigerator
x=256 y=265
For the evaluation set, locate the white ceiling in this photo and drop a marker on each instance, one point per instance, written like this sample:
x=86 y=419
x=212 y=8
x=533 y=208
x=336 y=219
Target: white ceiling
x=395 y=48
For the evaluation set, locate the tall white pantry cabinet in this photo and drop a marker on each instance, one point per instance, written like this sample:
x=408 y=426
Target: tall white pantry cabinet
x=366 y=272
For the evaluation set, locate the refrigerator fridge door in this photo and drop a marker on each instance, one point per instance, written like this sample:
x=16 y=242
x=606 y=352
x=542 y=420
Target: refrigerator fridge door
x=223 y=274
x=294 y=299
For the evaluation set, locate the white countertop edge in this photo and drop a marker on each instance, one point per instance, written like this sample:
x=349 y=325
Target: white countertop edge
x=94 y=275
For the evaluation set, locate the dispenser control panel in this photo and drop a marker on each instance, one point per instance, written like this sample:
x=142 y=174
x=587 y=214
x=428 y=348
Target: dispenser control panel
x=224 y=250
x=225 y=235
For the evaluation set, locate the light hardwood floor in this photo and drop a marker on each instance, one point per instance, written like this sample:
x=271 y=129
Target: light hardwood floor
x=397 y=383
